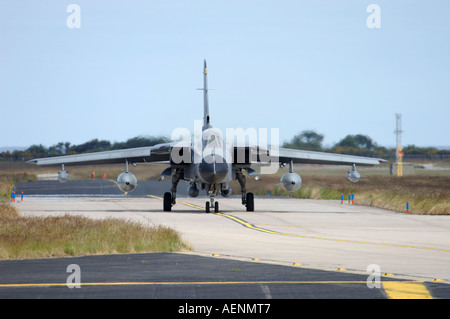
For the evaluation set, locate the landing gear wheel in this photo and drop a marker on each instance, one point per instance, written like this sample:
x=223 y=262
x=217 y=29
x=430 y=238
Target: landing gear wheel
x=207 y=207
x=216 y=207
x=250 y=203
x=167 y=202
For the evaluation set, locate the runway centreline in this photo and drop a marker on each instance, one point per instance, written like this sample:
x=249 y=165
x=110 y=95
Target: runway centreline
x=125 y=283
x=393 y=289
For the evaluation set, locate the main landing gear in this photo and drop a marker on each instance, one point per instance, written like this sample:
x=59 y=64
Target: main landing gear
x=167 y=205
x=247 y=198
x=212 y=190
x=170 y=198
x=249 y=202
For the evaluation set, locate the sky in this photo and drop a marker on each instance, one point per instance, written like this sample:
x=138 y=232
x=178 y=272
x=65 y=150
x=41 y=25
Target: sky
x=114 y=70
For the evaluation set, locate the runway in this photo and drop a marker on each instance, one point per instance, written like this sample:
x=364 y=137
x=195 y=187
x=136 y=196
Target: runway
x=306 y=247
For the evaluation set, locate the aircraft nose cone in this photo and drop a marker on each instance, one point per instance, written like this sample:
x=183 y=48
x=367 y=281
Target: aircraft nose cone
x=213 y=169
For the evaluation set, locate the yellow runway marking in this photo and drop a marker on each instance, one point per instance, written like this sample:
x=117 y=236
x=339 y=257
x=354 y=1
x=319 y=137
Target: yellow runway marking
x=191 y=205
x=153 y=196
x=180 y=283
x=406 y=290
x=133 y=283
x=179 y=202
x=393 y=289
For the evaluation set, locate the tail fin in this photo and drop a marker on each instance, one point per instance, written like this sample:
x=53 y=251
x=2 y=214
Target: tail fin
x=206 y=123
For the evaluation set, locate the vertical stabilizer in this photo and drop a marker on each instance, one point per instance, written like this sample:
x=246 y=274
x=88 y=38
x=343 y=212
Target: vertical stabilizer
x=206 y=122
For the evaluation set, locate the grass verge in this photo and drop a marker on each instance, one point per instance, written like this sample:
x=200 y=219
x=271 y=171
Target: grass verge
x=38 y=237
x=427 y=195
x=7 y=182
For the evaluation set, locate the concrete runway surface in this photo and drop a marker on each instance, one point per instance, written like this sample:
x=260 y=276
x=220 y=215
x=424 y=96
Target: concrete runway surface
x=306 y=238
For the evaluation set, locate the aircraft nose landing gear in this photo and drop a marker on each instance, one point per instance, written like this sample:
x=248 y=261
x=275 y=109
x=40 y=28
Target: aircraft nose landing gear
x=212 y=203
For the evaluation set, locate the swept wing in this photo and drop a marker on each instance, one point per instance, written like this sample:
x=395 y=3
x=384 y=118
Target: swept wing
x=157 y=153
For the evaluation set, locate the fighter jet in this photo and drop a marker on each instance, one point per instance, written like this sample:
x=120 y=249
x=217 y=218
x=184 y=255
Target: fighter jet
x=210 y=163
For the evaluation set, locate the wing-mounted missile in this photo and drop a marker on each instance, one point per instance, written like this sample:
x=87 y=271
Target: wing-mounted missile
x=126 y=181
x=353 y=176
x=63 y=176
x=291 y=181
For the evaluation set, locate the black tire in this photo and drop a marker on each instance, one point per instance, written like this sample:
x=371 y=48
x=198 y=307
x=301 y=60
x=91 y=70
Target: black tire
x=250 y=202
x=207 y=207
x=216 y=207
x=167 y=202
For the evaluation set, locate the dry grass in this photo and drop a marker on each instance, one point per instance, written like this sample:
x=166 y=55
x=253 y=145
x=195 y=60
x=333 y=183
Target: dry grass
x=427 y=195
x=37 y=237
x=7 y=181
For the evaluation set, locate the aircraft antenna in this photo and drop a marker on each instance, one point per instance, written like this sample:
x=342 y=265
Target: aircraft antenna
x=399 y=153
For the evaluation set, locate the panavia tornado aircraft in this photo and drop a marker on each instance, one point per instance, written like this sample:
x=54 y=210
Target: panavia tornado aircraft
x=210 y=163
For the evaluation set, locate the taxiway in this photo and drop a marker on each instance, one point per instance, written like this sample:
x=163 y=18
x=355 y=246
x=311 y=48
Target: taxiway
x=314 y=233
x=287 y=248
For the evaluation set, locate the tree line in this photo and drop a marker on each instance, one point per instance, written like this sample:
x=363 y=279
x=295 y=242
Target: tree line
x=95 y=145
x=358 y=144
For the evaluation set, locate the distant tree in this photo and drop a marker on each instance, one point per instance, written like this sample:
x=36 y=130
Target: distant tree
x=357 y=141
x=306 y=140
x=61 y=148
x=415 y=150
x=91 y=146
x=37 y=150
x=140 y=141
